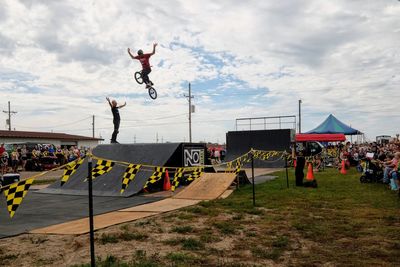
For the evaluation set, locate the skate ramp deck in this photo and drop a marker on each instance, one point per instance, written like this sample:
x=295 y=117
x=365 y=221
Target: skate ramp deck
x=109 y=184
x=208 y=186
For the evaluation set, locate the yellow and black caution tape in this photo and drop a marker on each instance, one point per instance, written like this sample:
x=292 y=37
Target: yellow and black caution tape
x=15 y=193
x=102 y=167
x=70 y=169
x=156 y=176
x=196 y=173
x=177 y=177
x=129 y=175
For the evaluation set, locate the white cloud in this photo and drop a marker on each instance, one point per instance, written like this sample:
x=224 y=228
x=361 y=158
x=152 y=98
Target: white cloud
x=61 y=58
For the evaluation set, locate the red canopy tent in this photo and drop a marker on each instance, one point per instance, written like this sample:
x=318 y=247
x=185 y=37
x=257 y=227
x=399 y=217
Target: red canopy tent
x=320 y=137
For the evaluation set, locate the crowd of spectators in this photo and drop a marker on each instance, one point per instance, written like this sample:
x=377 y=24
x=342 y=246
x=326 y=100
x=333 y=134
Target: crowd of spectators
x=384 y=157
x=38 y=157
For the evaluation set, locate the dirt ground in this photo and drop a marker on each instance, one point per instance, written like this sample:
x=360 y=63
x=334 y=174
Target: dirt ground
x=177 y=237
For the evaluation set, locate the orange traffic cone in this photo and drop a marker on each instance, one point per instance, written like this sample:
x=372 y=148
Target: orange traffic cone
x=167 y=183
x=294 y=163
x=343 y=169
x=310 y=172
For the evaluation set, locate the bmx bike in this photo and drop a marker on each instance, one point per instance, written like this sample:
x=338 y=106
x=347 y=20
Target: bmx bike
x=139 y=79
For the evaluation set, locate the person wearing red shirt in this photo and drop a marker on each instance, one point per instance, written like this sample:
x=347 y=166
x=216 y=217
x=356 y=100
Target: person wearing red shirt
x=144 y=60
x=2 y=149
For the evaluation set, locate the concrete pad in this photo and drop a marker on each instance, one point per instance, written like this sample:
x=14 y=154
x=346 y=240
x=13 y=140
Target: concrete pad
x=208 y=186
x=38 y=187
x=81 y=226
x=226 y=194
x=260 y=171
x=164 y=205
x=262 y=179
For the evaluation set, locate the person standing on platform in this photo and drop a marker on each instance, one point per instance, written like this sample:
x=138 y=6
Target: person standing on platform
x=116 y=118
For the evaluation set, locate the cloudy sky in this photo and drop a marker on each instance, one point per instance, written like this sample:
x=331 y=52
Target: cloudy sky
x=60 y=59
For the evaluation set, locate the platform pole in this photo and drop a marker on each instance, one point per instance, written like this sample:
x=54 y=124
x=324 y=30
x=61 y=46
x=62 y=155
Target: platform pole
x=252 y=178
x=91 y=224
x=286 y=167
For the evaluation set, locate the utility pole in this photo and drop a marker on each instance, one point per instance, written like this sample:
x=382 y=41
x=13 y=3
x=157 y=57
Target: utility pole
x=93 y=127
x=9 y=115
x=300 y=115
x=190 y=112
x=134 y=139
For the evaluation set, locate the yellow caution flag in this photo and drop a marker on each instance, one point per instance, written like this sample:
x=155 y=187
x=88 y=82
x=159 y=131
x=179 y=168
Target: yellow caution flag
x=102 y=167
x=156 y=176
x=177 y=176
x=129 y=175
x=15 y=193
x=70 y=169
x=197 y=172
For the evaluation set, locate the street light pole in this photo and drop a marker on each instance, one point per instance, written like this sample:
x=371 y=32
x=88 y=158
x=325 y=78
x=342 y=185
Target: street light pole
x=190 y=112
x=9 y=115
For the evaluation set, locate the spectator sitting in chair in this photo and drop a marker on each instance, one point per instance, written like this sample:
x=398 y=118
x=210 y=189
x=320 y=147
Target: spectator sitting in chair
x=389 y=165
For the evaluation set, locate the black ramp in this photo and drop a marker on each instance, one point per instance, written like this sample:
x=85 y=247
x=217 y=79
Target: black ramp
x=109 y=184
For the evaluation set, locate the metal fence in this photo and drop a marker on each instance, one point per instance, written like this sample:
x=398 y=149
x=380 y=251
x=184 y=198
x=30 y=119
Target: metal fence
x=266 y=123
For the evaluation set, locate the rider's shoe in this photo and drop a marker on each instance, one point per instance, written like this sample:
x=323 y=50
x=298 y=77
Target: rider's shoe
x=148 y=85
x=151 y=83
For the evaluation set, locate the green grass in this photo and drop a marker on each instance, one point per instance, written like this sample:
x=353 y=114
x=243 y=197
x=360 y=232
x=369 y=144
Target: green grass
x=340 y=223
x=345 y=221
x=139 y=259
x=124 y=236
x=226 y=227
x=182 y=229
x=7 y=259
x=186 y=243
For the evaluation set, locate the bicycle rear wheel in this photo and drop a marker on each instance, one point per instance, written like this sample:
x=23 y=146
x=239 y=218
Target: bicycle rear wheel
x=138 y=77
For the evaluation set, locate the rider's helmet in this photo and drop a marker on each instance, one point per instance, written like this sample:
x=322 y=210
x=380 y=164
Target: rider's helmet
x=140 y=52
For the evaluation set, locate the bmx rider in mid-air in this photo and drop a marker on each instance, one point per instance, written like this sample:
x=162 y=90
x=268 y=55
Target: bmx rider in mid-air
x=144 y=60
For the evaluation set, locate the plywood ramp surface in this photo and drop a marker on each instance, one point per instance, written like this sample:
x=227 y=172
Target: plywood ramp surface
x=164 y=205
x=260 y=171
x=208 y=186
x=81 y=226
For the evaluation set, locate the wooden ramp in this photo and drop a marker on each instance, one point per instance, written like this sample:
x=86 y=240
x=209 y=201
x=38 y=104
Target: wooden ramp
x=164 y=205
x=81 y=226
x=208 y=186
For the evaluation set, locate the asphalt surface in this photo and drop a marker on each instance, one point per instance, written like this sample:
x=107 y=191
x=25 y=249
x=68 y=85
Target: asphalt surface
x=41 y=210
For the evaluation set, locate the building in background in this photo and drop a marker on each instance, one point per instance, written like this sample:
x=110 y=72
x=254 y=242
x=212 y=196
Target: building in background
x=57 y=139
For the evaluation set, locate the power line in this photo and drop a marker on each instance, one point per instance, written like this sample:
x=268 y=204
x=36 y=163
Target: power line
x=55 y=126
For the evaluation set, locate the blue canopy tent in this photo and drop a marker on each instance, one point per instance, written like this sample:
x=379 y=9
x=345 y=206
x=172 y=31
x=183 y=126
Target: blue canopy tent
x=332 y=125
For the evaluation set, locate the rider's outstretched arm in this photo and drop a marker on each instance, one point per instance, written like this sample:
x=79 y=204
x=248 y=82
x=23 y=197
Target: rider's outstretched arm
x=129 y=52
x=122 y=105
x=154 y=49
